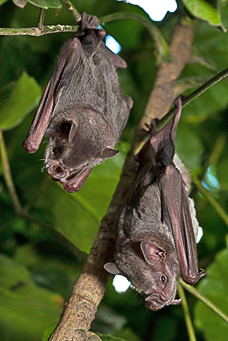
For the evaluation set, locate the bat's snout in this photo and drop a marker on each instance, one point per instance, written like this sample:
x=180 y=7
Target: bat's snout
x=155 y=301
x=57 y=170
x=158 y=300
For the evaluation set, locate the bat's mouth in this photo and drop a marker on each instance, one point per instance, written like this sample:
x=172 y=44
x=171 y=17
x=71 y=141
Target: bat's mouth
x=158 y=300
x=71 y=181
x=57 y=170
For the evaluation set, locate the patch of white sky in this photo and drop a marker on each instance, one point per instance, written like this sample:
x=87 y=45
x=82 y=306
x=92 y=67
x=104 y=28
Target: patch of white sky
x=120 y=283
x=156 y=9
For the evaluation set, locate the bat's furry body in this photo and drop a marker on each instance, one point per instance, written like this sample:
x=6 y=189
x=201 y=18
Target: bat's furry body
x=155 y=228
x=83 y=109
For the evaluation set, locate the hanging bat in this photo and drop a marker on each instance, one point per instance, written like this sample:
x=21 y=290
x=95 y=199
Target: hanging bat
x=155 y=228
x=82 y=110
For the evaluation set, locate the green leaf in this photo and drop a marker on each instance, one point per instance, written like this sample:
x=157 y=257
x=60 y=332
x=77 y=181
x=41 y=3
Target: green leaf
x=20 y=3
x=77 y=216
x=2 y=1
x=188 y=145
x=25 y=309
x=23 y=98
x=214 y=287
x=46 y=3
x=48 y=332
x=69 y=216
x=204 y=11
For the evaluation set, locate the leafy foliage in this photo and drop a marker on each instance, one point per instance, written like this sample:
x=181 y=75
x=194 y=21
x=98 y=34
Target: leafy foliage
x=203 y=10
x=214 y=287
x=37 y=268
x=19 y=296
x=17 y=105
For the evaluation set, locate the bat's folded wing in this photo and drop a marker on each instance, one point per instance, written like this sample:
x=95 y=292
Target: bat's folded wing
x=176 y=214
x=69 y=56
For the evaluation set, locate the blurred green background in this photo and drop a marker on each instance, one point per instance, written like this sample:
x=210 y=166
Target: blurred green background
x=37 y=265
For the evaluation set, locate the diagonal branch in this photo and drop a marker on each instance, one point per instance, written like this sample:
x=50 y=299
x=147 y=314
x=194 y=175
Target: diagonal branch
x=88 y=291
x=187 y=316
x=204 y=300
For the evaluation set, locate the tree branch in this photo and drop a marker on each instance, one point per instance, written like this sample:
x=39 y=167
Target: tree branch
x=8 y=177
x=188 y=320
x=73 y=10
x=35 y=32
x=204 y=300
x=164 y=92
x=41 y=19
x=199 y=91
x=90 y=287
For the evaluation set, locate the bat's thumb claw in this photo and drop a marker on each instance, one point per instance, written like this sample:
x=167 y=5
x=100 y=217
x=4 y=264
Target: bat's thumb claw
x=176 y=302
x=30 y=146
x=202 y=273
x=178 y=101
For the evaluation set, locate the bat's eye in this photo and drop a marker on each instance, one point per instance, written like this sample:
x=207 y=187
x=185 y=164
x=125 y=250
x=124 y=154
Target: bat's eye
x=65 y=129
x=55 y=150
x=163 y=279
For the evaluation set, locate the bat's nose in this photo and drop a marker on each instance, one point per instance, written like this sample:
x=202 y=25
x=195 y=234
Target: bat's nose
x=57 y=170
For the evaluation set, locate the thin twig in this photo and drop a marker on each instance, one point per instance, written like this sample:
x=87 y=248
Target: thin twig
x=41 y=19
x=35 y=32
x=187 y=316
x=163 y=50
x=221 y=212
x=74 y=11
x=8 y=176
x=218 y=147
x=199 y=91
x=147 y=118
x=204 y=300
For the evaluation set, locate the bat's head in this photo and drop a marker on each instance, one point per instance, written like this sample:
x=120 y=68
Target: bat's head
x=77 y=142
x=163 y=278
x=153 y=274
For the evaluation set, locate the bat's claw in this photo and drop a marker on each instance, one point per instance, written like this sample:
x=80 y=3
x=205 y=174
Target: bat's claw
x=193 y=278
x=202 y=273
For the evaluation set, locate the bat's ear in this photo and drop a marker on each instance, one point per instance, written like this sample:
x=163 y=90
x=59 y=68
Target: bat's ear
x=72 y=131
x=152 y=253
x=112 y=269
x=116 y=60
x=108 y=152
x=129 y=101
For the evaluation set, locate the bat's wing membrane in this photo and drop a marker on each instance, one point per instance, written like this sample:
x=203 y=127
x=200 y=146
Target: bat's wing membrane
x=174 y=198
x=70 y=54
x=176 y=214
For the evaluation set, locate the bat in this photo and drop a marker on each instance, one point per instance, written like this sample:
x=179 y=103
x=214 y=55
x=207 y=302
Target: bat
x=155 y=228
x=82 y=110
